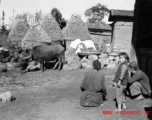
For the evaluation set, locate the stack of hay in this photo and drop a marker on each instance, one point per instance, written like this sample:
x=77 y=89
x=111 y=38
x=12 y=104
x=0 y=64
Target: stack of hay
x=52 y=28
x=76 y=29
x=35 y=36
x=18 y=32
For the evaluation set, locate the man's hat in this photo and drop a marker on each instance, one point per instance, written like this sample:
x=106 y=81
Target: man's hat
x=133 y=64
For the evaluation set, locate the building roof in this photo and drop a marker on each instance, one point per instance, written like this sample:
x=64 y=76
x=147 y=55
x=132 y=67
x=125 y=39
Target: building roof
x=120 y=13
x=98 y=26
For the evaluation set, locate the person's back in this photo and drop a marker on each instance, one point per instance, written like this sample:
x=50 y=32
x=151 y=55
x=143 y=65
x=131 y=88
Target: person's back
x=93 y=81
x=144 y=81
x=93 y=87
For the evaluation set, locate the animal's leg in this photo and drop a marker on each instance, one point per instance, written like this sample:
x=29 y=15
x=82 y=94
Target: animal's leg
x=56 y=64
x=60 y=64
x=63 y=58
x=42 y=66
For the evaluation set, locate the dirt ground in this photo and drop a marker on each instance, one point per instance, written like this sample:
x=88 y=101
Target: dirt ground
x=55 y=95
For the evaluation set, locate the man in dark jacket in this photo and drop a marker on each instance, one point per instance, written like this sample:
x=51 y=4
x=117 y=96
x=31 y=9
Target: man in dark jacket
x=93 y=87
x=140 y=84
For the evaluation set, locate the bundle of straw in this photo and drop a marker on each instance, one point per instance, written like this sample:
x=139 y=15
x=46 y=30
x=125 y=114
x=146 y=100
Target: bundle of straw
x=76 y=29
x=52 y=28
x=18 y=32
x=35 y=36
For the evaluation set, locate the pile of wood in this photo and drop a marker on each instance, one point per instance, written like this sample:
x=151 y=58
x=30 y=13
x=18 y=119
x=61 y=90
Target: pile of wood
x=52 y=28
x=35 y=36
x=18 y=32
x=76 y=29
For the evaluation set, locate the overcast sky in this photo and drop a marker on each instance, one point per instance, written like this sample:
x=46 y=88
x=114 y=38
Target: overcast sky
x=66 y=7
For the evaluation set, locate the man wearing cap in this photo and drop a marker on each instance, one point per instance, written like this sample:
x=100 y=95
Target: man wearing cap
x=140 y=84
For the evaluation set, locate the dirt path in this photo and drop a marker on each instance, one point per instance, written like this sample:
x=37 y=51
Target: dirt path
x=55 y=96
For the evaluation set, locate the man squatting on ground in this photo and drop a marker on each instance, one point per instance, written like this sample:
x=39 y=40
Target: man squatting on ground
x=139 y=82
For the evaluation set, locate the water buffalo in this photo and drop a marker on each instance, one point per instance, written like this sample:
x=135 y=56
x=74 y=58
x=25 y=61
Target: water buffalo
x=47 y=53
x=60 y=42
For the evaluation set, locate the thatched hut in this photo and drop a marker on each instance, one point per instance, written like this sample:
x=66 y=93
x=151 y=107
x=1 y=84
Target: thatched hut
x=76 y=29
x=35 y=36
x=52 y=28
x=18 y=32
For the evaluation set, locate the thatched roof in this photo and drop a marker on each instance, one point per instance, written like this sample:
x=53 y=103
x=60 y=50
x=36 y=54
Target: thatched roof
x=18 y=31
x=52 y=28
x=76 y=29
x=35 y=36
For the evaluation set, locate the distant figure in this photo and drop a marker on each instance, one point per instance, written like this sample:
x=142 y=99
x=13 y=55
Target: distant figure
x=140 y=84
x=121 y=80
x=93 y=87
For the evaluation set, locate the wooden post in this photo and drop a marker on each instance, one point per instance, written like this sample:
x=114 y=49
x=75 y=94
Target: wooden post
x=133 y=51
x=113 y=33
x=135 y=27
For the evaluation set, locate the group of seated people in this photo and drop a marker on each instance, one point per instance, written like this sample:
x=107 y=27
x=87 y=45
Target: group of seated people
x=129 y=80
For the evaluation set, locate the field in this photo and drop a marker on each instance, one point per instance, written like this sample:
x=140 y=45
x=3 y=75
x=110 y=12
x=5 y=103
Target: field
x=54 y=95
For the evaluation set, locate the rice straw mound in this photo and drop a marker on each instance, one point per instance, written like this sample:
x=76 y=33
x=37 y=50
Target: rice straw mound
x=18 y=32
x=35 y=36
x=52 y=28
x=76 y=29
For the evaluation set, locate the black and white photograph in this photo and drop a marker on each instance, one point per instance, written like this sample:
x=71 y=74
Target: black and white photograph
x=75 y=59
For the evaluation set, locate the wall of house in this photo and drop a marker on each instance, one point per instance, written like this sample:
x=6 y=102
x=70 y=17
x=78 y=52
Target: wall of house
x=123 y=36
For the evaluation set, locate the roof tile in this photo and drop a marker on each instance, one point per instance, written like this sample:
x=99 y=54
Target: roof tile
x=122 y=13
